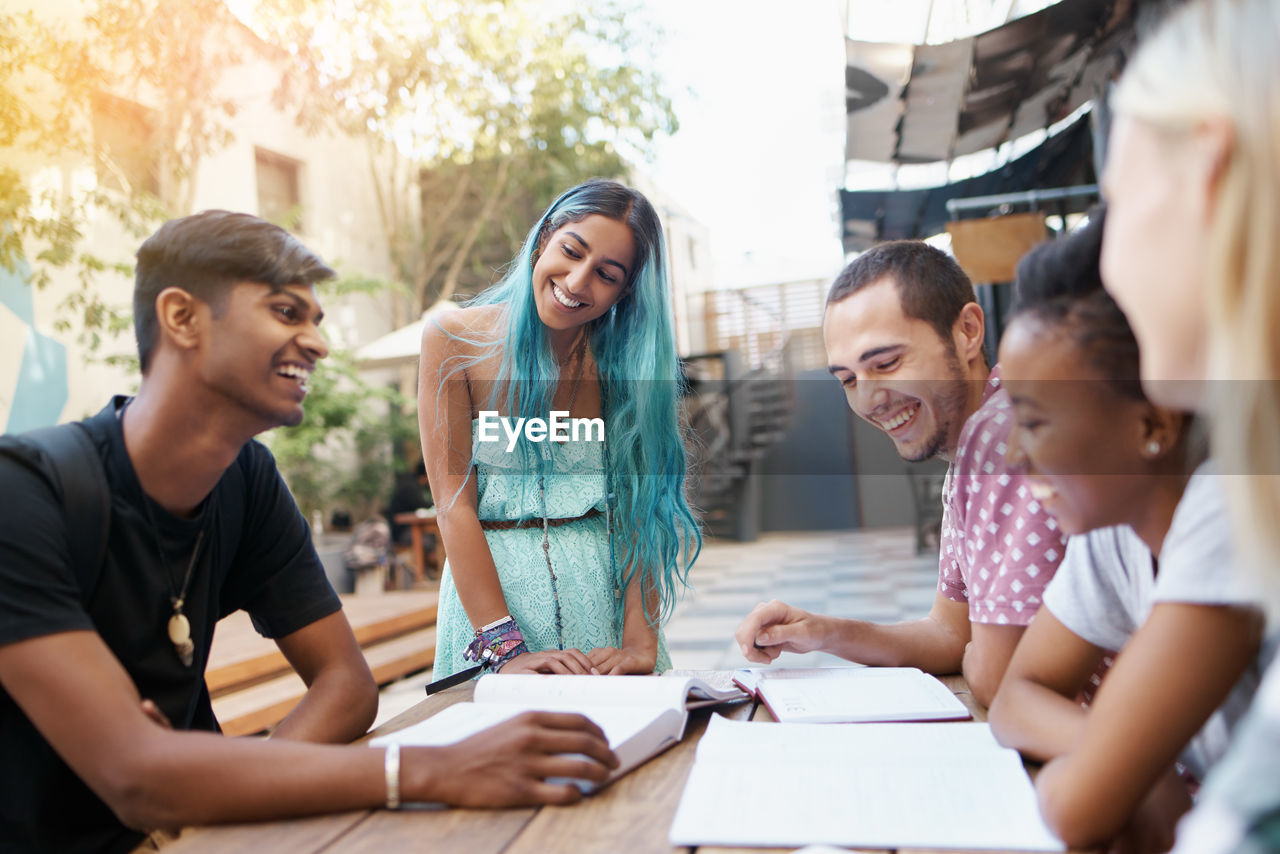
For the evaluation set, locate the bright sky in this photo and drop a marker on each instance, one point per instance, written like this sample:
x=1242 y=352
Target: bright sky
x=758 y=87
x=759 y=91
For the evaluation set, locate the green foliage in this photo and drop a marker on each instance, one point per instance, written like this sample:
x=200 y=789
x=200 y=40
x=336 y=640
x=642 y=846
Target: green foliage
x=177 y=51
x=349 y=283
x=497 y=106
x=346 y=452
x=477 y=114
x=55 y=84
x=343 y=455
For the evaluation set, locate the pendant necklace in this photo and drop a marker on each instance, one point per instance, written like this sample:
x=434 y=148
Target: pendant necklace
x=581 y=356
x=178 y=627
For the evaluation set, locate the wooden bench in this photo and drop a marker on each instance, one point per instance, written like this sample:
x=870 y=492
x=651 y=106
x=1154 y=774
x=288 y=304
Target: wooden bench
x=253 y=687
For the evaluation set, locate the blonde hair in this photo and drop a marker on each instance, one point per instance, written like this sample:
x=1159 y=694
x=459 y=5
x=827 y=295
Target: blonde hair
x=1219 y=59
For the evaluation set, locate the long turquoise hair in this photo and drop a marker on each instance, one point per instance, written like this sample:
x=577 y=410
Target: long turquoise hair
x=654 y=530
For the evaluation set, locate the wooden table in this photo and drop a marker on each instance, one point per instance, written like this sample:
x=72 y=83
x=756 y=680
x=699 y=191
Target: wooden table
x=419 y=522
x=632 y=815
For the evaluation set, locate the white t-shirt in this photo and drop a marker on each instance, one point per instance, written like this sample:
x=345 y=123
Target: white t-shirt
x=1196 y=561
x=1106 y=587
x=1103 y=590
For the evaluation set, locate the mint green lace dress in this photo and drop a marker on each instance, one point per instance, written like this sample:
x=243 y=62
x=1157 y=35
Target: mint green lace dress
x=591 y=615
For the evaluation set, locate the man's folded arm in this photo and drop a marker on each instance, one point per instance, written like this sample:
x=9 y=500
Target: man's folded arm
x=82 y=701
x=342 y=698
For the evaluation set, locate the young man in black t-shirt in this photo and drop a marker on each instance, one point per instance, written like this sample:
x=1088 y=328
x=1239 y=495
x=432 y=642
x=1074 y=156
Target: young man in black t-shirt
x=106 y=727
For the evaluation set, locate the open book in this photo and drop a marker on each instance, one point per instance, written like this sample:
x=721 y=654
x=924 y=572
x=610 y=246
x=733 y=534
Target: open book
x=640 y=715
x=853 y=694
x=903 y=785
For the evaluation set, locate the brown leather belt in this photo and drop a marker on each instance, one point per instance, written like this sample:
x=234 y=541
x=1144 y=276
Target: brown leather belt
x=511 y=524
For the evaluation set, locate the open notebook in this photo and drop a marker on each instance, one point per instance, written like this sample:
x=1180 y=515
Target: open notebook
x=903 y=785
x=640 y=715
x=851 y=694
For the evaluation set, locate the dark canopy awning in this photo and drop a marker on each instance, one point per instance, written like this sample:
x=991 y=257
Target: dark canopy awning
x=1064 y=159
x=928 y=103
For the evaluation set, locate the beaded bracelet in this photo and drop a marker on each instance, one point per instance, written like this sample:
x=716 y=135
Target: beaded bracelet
x=496 y=644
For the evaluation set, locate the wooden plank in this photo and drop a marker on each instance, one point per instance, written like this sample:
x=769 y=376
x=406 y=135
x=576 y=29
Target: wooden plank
x=240 y=655
x=299 y=836
x=260 y=707
x=404 y=611
x=989 y=249
x=265 y=704
x=435 y=829
x=410 y=653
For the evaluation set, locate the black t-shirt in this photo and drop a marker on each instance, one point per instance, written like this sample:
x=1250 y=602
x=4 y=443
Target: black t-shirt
x=256 y=555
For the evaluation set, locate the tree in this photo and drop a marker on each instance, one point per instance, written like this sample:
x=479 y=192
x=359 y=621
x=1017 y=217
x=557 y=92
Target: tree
x=340 y=455
x=59 y=101
x=493 y=108
x=177 y=52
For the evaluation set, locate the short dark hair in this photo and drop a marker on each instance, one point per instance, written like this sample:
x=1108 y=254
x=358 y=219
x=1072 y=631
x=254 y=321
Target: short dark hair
x=205 y=254
x=1059 y=283
x=931 y=286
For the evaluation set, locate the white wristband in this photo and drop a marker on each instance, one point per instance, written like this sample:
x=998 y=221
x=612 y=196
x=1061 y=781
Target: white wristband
x=493 y=625
x=391 y=769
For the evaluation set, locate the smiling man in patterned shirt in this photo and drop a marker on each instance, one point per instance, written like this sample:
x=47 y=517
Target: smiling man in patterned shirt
x=904 y=338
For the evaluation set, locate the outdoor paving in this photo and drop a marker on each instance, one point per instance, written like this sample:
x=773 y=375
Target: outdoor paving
x=864 y=574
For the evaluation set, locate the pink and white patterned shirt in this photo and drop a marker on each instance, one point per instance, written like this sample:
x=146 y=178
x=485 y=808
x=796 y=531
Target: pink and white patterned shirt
x=999 y=548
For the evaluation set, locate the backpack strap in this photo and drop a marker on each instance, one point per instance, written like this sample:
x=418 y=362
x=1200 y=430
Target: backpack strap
x=86 y=499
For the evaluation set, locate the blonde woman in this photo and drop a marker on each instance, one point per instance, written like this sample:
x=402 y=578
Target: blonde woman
x=1192 y=256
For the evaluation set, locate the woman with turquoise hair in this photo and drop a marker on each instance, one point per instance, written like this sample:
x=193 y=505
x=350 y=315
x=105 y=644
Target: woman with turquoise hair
x=548 y=413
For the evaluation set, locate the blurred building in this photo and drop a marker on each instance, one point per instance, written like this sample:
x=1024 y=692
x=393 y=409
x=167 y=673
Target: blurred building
x=689 y=265
x=318 y=184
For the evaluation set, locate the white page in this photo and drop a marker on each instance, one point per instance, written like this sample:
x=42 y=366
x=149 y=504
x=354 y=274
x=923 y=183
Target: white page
x=555 y=691
x=874 y=785
x=635 y=734
x=749 y=678
x=462 y=720
x=856 y=694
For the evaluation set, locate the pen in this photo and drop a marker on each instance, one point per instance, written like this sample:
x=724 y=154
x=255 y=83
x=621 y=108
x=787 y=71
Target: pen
x=454 y=679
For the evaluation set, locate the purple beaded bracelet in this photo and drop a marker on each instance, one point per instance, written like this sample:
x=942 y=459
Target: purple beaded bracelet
x=496 y=644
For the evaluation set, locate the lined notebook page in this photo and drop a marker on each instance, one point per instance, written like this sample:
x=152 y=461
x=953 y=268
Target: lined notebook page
x=856 y=694
x=874 y=785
